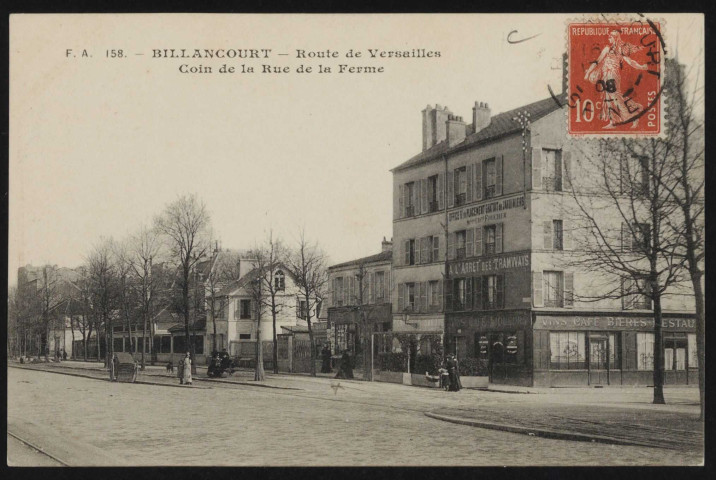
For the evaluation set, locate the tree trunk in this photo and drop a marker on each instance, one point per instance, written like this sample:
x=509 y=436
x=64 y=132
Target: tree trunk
x=310 y=340
x=658 y=353
x=72 y=328
x=259 y=372
x=700 y=335
x=275 y=342
x=144 y=340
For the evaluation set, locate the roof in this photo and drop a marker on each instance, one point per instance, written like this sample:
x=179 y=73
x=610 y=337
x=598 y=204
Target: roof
x=500 y=125
x=250 y=277
x=386 y=256
x=198 y=326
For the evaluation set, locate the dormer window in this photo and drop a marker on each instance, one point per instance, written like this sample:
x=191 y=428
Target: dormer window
x=279 y=281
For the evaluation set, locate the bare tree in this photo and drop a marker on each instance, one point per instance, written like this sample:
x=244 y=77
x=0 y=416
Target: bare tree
x=145 y=248
x=268 y=259
x=308 y=268
x=51 y=296
x=632 y=242
x=255 y=288
x=364 y=302
x=185 y=223
x=126 y=291
x=83 y=321
x=103 y=292
x=224 y=269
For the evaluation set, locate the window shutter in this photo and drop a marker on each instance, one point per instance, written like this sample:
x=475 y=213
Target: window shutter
x=567 y=165
x=407 y=253
x=401 y=201
x=450 y=189
x=500 y=291
x=566 y=236
x=447 y=288
x=626 y=238
x=424 y=296
x=371 y=290
x=387 y=287
x=468 y=293
x=537 y=299
x=478 y=241
x=416 y=247
x=298 y=307
x=498 y=175
x=569 y=289
x=536 y=168
x=440 y=295
x=477 y=289
x=441 y=191
x=498 y=237
x=424 y=195
x=469 y=240
x=427 y=249
x=468 y=193
x=451 y=246
x=441 y=249
x=477 y=185
x=333 y=293
x=547 y=230
x=401 y=297
x=629 y=361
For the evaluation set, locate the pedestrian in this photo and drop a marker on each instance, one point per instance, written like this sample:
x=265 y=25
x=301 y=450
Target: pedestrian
x=345 y=368
x=326 y=357
x=453 y=374
x=64 y=354
x=186 y=371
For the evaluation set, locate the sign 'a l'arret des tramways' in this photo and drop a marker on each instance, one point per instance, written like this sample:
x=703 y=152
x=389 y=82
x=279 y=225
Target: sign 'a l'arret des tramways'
x=480 y=266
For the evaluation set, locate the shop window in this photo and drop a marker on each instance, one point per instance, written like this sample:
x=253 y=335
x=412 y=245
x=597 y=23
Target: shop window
x=179 y=344
x=568 y=350
x=675 y=351
x=244 y=336
x=645 y=351
x=166 y=346
x=553 y=289
x=199 y=344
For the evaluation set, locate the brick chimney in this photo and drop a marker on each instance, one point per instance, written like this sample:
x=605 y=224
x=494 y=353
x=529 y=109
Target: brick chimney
x=455 y=130
x=387 y=246
x=434 y=128
x=480 y=116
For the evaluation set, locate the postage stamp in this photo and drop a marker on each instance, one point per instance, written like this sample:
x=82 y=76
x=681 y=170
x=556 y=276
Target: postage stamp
x=615 y=78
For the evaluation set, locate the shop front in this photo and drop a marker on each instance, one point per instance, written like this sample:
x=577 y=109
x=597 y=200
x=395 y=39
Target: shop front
x=601 y=350
x=492 y=344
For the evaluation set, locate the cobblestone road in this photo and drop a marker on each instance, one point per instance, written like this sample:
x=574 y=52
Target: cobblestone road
x=361 y=424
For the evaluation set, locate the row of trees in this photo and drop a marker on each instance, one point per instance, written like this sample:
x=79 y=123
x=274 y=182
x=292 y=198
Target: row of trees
x=170 y=264
x=654 y=190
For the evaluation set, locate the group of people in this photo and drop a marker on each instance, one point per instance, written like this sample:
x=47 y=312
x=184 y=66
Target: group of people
x=345 y=364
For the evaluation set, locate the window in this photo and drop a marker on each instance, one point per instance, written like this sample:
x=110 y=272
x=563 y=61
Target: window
x=492 y=292
x=490 y=239
x=410 y=252
x=460 y=241
x=433 y=194
x=279 y=281
x=179 y=344
x=302 y=309
x=460 y=186
x=553 y=289
x=244 y=336
x=557 y=243
x=552 y=170
x=459 y=294
x=568 y=350
x=245 y=309
x=645 y=351
x=436 y=249
x=410 y=199
x=199 y=344
x=643 y=176
x=433 y=294
x=635 y=294
x=410 y=296
x=338 y=292
x=379 y=287
x=635 y=236
x=166 y=344
x=490 y=178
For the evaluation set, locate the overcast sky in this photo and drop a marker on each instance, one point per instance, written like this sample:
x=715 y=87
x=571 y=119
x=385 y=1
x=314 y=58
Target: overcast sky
x=98 y=146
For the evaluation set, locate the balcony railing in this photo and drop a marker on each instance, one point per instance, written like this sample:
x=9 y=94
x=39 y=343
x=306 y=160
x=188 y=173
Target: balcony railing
x=459 y=199
x=553 y=184
x=433 y=207
x=410 y=211
x=489 y=191
x=557 y=302
x=489 y=248
x=460 y=253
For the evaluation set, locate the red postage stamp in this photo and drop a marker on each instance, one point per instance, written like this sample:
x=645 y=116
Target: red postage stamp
x=615 y=78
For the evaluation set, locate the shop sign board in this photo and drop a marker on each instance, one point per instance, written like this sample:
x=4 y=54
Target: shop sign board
x=547 y=322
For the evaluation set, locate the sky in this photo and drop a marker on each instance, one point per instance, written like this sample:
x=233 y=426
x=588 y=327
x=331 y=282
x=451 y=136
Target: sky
x=100 y=145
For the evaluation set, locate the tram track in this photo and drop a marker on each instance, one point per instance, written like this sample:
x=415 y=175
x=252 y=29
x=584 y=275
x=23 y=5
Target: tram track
x=36 y=448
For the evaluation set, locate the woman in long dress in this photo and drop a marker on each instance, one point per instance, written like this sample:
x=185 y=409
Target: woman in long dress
x=453 y=374
x=606 y=72
x=186 y=371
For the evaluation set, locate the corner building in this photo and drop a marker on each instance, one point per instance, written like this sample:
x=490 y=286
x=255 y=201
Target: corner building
x=480 y=240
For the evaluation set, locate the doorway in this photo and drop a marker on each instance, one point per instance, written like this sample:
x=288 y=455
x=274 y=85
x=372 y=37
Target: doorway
x=603 y=360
